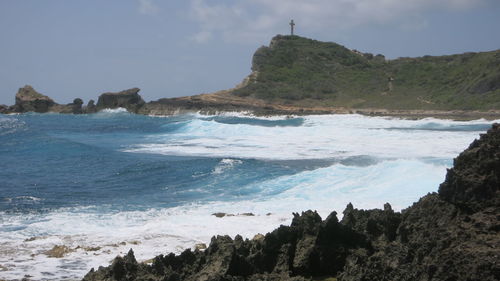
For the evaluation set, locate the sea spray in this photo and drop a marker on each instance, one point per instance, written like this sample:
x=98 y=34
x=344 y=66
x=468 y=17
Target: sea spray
x=104 y=183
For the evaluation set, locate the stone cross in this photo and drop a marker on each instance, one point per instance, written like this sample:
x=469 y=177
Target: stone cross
x=292 y=24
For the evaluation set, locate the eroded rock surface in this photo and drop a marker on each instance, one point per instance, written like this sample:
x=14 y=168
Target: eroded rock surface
x=29 y=100
x=129 y=99
x=474 y=181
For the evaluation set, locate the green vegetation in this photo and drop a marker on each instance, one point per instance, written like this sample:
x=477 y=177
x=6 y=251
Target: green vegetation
x=297 y=70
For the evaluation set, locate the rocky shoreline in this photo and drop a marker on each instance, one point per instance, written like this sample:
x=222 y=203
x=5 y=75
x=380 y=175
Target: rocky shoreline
x=29 y=100
x=450 y=235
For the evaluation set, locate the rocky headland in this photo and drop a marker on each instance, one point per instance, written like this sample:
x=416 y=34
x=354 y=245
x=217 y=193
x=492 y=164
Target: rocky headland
x=300 y=76
x=453 y=234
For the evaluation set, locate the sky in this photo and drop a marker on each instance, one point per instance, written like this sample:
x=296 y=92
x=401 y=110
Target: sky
x=82 y=48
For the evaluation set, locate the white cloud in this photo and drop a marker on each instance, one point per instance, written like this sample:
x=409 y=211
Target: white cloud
x=248 y=20
x=147 y=7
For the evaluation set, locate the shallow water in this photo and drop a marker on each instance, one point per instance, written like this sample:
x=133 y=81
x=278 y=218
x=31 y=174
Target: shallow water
x=104 y=183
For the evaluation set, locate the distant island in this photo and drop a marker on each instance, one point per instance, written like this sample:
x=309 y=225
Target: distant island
x=297 y=75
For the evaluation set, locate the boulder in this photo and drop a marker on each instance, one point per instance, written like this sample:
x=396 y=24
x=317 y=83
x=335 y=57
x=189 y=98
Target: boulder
x=29 y=100
x=76 y=106
x=90 y=108
x=4 y=109
x=59 y=251
x=129 y=99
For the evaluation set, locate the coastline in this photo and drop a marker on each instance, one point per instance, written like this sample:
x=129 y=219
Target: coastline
x=29 y=100
x=448 y=235
x=225 y=101
x=321 y=137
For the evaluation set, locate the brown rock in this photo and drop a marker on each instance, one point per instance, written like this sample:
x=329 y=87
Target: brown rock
x=29 y=100
x=200 y=246
x=59 y=251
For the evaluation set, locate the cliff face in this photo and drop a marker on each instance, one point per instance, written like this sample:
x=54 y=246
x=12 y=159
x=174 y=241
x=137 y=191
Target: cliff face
x=451 y=235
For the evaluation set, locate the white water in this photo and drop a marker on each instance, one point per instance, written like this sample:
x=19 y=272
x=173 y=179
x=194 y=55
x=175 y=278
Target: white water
x=411 y=163
x=320 y=137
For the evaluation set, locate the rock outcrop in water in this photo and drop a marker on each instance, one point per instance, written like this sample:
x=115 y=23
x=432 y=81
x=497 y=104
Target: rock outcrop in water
x=27 y=99
x=129 y=99
x=90 y=108
x=450 y=235
x=3 y=108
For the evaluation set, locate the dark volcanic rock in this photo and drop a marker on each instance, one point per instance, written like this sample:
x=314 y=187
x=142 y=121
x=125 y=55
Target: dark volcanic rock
x=27 y=99
x=129 y=99
x=375 y=224
x=3 y=108
x=474 y=181
x=76 y=106
x=309 y=247
x=453 y=235
x=90 y=108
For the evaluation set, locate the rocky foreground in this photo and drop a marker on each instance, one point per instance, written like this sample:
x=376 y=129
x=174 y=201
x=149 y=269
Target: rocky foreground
x=450 y=235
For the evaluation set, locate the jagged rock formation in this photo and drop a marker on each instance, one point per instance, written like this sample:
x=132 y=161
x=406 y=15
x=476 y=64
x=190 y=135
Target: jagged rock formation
x=450 y=235
x=473 y=184
x=129 y=99
x=27 y=99
x=76 y=106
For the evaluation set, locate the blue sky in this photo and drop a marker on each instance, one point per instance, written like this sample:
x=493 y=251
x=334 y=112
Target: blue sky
x=67 y=49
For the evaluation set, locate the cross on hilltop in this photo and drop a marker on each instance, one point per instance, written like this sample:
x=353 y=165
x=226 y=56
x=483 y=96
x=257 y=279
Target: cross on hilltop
x=292 y=24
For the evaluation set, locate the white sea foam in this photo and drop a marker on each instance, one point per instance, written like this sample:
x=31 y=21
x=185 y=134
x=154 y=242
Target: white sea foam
x=319 y=137
x=224 y=165
x=174 y=229
x=412 y=153
x=113 y=110
x=9 y=125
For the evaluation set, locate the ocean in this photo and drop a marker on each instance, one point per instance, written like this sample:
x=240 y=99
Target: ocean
x=97 y=185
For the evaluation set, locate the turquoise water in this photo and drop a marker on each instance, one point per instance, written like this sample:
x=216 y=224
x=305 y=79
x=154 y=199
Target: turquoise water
x=153 y=182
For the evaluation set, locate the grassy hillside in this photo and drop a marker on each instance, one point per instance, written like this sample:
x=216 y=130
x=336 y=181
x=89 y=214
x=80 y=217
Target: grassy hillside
x=297 y=70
